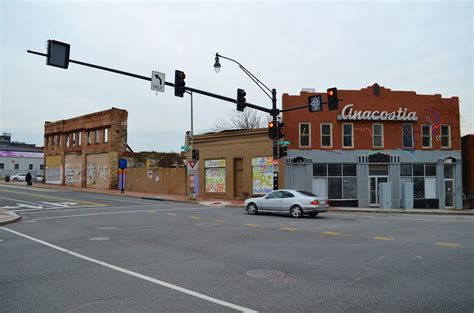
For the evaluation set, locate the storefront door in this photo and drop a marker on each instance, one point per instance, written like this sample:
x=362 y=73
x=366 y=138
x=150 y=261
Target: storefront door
x=374 y=182
x=449 y=193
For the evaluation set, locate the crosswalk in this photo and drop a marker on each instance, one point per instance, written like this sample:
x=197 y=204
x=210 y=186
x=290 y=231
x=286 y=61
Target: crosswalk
x=28 y=206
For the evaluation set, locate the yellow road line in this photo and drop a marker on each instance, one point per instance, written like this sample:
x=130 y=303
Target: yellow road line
x=330 y=233
x=251 y=225
x=447 y=244
x=56 y=198
x=288 y=229
x=383 y=238
x=220 y=221
x=195 y=217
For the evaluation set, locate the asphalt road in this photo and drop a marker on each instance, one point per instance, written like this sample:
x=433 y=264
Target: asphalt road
x=86 y=252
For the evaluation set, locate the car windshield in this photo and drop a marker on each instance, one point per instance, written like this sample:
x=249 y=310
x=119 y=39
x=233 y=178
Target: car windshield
x=307 y=193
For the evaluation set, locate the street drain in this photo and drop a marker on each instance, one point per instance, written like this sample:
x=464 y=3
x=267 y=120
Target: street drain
x=99 y=238
x=107 y=227
x=265 y=273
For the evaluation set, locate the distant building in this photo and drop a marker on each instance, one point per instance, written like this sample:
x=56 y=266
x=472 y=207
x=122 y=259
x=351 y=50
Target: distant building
x=84 y=151
x=19 y=157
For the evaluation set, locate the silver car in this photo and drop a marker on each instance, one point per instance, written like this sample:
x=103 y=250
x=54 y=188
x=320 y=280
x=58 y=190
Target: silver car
x=294 y=202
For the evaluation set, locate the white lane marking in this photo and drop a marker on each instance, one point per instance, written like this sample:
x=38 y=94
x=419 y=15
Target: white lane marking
x=19 y=200
x=138 y=275
x=82 y=208
x=116 y=212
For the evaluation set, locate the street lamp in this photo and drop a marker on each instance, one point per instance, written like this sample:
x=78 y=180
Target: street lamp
x=274 y=111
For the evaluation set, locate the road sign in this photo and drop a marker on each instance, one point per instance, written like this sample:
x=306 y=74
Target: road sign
x=158 y=81
x=193 y=167
x=184 y=148
x=122 y=164
x=283 y=143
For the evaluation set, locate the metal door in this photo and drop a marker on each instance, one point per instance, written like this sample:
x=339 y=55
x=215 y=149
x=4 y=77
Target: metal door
x=449 y=193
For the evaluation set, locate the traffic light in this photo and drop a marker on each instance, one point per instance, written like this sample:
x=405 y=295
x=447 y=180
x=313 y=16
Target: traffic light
x=281 y=130
x=283 y=151
x=241 y=99
x=179 y=83
x=272 y=130
x=195 y=154
x=332 y=99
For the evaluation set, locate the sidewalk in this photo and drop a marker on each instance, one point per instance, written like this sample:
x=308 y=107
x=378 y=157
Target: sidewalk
x=238 y=203
x=7 y=217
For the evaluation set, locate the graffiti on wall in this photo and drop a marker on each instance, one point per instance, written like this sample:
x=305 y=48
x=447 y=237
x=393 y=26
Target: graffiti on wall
x=95 y=172
x=72 y=173
x=53 y=175
x=262 y=175
x=215 y=175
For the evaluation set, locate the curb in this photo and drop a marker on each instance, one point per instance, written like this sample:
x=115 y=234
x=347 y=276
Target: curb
x=459 y=213
x=13 y=218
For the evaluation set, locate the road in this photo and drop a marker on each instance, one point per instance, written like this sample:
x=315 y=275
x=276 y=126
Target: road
x=87 y=252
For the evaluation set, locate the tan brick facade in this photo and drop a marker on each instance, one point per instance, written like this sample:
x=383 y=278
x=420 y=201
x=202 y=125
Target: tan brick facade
x=84 y=151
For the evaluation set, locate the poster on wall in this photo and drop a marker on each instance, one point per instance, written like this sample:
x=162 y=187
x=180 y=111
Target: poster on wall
x=53 y=175
x=262 y=175
x=215 y=175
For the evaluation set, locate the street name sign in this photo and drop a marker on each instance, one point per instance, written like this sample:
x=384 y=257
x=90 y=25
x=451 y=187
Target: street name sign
x=158 y=81
x=283 y=143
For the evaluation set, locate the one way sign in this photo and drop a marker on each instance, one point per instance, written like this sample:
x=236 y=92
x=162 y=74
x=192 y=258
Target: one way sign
x=158 y=81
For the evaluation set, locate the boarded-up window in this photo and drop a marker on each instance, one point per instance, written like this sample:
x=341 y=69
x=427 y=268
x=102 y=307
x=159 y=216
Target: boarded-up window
x=215 y=175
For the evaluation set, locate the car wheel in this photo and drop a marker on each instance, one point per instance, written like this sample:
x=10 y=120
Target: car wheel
x=313 y=214
x=252 y=208
x=15 y=179
x=296 y=211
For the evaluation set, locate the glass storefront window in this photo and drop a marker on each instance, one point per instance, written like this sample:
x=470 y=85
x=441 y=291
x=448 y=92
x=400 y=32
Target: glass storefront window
x=334 y=169
x=349 y=188
x=405 y=169
x=419 y=187
x=378 y=169
x=430 y=169
x=320 y=169
x=418 y=169
x=448 y=171
x=349 y=169
x=335 y=187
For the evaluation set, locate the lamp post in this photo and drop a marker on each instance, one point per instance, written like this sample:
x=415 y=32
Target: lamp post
x=192 y=195
x=274 y=112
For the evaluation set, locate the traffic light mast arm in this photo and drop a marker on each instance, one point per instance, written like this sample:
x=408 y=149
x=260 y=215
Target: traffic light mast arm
x=302 y=107
x=206 y=93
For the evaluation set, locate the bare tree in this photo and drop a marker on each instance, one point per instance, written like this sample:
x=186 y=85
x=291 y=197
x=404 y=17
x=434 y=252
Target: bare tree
x=249 y=119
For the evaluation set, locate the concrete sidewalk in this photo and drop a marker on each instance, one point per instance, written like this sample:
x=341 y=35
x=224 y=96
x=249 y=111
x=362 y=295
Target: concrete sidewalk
x=236 y=203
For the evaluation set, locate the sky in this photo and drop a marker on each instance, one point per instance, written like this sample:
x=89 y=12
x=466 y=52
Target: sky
x=422 y=46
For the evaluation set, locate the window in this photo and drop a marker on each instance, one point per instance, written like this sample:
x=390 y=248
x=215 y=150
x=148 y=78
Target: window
x=426 y=136
x=347 y=136
x=17 y=166
x=423 y=177
x=30 y=166
x=89 y=137
x=214 y=171
x=41 y=167
x=377 y=134
x=79 y=138
x=446 y=136
x=2 y=166
x=106 y=135
x=73 y=142
x=338 y=181
x=305 y=137
x=97 y=136
x=67 y=140
x=46 y=138
x=407 y=136
x=326 y=135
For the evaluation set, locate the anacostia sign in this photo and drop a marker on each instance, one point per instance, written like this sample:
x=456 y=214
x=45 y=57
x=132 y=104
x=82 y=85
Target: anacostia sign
x=349 y=114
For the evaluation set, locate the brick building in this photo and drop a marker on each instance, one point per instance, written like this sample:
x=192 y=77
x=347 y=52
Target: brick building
x=84 y=151
x=376 y=136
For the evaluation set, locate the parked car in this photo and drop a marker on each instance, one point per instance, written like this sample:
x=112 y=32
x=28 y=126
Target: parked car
x=294 y=202
x=39 y=178
x=18 y=177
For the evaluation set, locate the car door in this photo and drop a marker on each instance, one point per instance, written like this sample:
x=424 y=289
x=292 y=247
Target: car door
x=272 y=201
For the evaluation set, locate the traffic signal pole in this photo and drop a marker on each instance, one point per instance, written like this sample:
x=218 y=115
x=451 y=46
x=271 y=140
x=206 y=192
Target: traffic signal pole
x=275 y=112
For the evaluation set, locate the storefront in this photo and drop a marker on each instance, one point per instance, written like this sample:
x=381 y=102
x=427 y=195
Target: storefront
x=234 y=164
x=398 y=140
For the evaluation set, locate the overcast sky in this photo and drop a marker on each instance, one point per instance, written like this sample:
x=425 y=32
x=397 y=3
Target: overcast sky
x=425 y=47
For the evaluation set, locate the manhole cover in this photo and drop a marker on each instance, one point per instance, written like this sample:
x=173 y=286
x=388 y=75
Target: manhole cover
x=264 y=273
x=99 y=238
x=107 y=227
x=207 y=224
